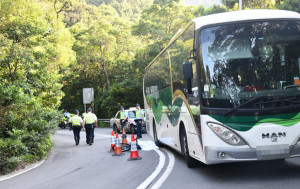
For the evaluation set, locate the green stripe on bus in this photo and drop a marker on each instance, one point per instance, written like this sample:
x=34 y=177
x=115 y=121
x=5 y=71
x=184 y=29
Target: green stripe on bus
x=245 y=123
x=161 y=103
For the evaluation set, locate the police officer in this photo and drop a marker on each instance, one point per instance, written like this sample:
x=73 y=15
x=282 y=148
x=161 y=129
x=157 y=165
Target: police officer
x=139 y=119
x=89 y=121
x=123 y=117
x=77 y=125
x=95 y=125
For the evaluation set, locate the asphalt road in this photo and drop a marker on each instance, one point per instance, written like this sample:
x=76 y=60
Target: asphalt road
x=83 y=166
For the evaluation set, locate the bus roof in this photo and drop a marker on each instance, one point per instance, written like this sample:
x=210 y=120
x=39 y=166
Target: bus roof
x=244 y=15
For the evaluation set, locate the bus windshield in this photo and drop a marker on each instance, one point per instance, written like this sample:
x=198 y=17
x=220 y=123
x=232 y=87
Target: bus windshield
x=252 y=65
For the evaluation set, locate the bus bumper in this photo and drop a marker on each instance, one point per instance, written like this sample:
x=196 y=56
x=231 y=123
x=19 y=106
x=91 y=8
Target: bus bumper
x=214 y=155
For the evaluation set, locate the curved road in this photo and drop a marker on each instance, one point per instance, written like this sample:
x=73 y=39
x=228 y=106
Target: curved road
x=84 y=166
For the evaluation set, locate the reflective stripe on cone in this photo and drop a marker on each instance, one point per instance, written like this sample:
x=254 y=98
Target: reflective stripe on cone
x=134 y=155
x=113 y=141
x=118 y=150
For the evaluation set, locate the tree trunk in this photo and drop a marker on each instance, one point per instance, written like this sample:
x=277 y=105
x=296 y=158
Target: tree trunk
x=106 y=75
x=102 y=62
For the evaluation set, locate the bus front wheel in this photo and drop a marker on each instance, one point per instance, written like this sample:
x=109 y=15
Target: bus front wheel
x=191 y=162
x=157 y=143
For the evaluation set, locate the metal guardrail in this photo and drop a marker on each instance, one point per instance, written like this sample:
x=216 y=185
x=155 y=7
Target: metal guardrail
x=103 y=120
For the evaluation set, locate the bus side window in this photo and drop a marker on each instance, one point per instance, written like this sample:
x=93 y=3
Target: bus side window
x=179 y=52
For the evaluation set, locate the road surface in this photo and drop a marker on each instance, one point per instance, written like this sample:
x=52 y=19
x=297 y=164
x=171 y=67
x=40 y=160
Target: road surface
x=83 y=166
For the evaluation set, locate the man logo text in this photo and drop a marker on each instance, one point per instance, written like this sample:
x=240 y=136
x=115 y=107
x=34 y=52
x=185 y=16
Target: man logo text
x=273 y=136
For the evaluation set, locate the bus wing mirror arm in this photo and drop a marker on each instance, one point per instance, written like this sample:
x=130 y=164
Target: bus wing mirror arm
x=188 y=75
x=188 y=69
x=192 y=54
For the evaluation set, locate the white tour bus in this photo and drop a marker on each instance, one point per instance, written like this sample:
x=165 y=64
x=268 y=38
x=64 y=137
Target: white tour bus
x=227 y=89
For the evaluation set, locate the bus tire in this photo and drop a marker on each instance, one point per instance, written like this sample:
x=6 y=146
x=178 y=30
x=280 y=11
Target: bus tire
x=157 y=143
x=191 y=162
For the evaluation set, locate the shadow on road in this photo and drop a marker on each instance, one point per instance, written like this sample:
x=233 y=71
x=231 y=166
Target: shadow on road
x=258 y=171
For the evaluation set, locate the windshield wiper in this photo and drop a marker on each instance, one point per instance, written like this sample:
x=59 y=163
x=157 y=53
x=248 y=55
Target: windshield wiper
x=243 y=104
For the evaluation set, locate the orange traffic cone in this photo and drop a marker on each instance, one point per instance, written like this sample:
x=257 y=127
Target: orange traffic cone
x=113 y=141
x=118 y=150
x=124 y=137
x=134 y=155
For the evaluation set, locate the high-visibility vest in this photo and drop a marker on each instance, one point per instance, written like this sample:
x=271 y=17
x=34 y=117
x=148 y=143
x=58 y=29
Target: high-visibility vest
x=89 y=118
x=138 y=114
x=122 y=115
x=76 y=121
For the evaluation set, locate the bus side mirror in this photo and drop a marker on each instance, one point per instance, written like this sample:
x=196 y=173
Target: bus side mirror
x=188 y=70
x=188 y=75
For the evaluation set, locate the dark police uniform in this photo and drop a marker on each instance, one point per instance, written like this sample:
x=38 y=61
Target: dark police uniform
x=76 y=124
x=89 y=125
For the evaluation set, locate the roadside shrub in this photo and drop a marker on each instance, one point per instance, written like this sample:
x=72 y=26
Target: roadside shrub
x=23 y=147
x=25 y=128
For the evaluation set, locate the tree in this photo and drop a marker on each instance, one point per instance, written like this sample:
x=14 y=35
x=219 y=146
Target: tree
x=60 y=6
x=292 y=5
x=105 y=48
x=34 y=48
x=250 y=4
x=215 y=9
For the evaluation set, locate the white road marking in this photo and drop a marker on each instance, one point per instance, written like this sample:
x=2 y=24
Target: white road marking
x=5 y=177
x=158 y=169
x=170 y=167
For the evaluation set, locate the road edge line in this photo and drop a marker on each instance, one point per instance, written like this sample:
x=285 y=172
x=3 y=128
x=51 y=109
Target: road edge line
x=167 y=172
x=160 y=166
x=5 y=177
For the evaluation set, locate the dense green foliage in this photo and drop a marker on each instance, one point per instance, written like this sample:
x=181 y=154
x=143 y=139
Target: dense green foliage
x=34 y=47
x=51 y=49
x=113 y=48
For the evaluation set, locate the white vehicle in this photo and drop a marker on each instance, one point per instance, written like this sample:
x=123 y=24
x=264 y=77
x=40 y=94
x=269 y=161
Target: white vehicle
x=227 y=89
x=130 y=124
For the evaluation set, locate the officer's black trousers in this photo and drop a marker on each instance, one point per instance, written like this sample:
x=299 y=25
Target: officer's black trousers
x=76 y=131
x=139 y=128
x=123 y=124
x=89 y=133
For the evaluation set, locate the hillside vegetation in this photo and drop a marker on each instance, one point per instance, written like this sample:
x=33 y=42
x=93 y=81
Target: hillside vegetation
x=51 y=49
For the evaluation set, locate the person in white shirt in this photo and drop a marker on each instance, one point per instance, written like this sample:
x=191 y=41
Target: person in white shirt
x=66 y=113
x=77 y=125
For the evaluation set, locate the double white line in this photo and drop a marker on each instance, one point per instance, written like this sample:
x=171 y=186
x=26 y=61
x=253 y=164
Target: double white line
x=160 y=166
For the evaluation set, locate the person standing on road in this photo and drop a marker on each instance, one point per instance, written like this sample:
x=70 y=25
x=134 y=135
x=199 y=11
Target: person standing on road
x=139 y=119
x=123 y=117
x=89 y=121
x=95 y=125
x=68 y=116
x=77 y=125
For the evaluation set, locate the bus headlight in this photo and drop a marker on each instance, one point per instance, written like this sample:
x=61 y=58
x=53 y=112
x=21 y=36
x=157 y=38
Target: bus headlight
x=226 y=135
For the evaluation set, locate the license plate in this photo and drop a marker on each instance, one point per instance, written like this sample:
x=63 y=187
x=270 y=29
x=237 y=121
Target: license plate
x=272 y=152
